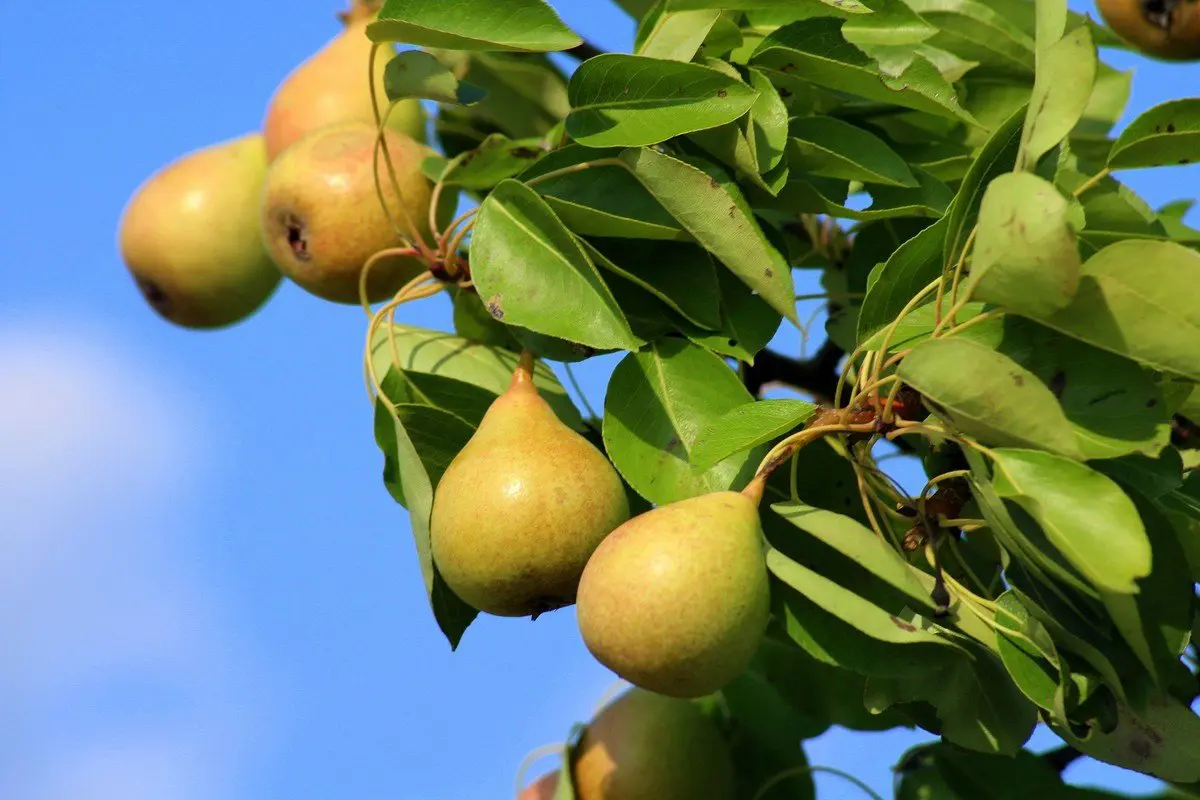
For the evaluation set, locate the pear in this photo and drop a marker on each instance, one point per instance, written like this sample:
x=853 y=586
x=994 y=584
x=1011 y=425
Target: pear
x=331 y=87
x=190 y=236
x=645 y=745
x=544 y=788
x=676 y=600
x=522 y=506
x=322 y=218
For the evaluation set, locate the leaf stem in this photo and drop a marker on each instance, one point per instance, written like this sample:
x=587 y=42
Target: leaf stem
x=1091 y=182
x=780 y=777
x=580 y=167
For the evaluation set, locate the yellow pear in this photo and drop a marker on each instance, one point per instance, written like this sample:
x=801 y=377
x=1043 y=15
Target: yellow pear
x=331 y=87
x=645 y=745
x=676 y=600
x=321 y=215
x=190 y=236
x=522 y=506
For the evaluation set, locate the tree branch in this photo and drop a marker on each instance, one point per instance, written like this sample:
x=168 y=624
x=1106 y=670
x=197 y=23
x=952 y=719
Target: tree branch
x=1061 y=758
x=818 y=375
x=585 y=51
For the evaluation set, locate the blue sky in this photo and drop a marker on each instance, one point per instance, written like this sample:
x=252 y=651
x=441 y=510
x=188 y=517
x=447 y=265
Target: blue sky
x=205 y=591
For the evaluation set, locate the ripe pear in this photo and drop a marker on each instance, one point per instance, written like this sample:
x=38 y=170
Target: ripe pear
x=190 y=236
x=543 y=788
x=522 y=506
x=331 y=87
x=321 y=215
x=676 y=600
x=645 y=745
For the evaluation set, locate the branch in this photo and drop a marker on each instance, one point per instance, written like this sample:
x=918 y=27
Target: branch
x=585 y=51
x=818 y=376
x=1061 y=758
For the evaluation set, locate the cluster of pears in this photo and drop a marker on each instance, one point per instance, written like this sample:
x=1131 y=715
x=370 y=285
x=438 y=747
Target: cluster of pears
x=530 y=517
x=209 y=237
x=645 y=745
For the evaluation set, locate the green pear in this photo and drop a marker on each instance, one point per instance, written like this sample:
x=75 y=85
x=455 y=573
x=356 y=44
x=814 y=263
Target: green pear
x=645 y=745
x=331 y=87
x=676 y=600
x=322 y=218
x=190 y=236
x=522 y=506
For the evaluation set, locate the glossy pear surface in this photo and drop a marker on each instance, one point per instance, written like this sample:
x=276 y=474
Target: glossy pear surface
x=521 y=508
x=676 y=600
x=645 y=745
x=331 y=87
x=322 y=219
x=190 y=236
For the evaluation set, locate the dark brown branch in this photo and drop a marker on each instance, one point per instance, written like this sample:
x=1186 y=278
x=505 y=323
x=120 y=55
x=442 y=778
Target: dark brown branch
x=585 y=51
x=1061 y=758
x=818 y=375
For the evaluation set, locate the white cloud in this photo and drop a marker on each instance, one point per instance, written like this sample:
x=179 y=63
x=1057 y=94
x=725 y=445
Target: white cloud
x=119 y=676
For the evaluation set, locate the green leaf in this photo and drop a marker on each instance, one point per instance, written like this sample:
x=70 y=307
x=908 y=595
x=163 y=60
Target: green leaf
x=521 y=25
x=1136 y=299
x=835 y=149
x=400 y=453
x=1084 y=514
x=861 y=545
x=979 y=706
x=675 y=35
x=917 y=326
x=681 y=275
x=747 y=426
x=464 y=400
x=1167 y=134
x=658 y=401
x=526 y=93
x=769 y=729
x=849 y=6
x=996 y=157
x=910 y=268
x=1065 y=75
x=768 y=131
x=625 y=100
x=497 y=158
x=418 y=350
x=816 y=50
x=522 y=255
x=1158 y=739
x=747 y=322
x=976 y=32
x=793 y=673
x=1153 y=477
x=1026 y=257
x=415 y=73
x=710 y=207
x=603 y=200
x=861 y=614
x=1112 y=403
x=1156 y=622
x=987 y=395
x=1028 y=662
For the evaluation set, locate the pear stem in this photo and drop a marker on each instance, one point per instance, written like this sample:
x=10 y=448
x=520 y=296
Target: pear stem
x=522 y=379
x=782 y=452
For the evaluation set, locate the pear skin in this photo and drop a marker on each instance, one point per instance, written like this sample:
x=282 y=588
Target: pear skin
x=677 y=599
x=544 y=788
x=190 y=236
x=331 y=87
x=522 y=506
x=322 y=219
x=645 y=745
